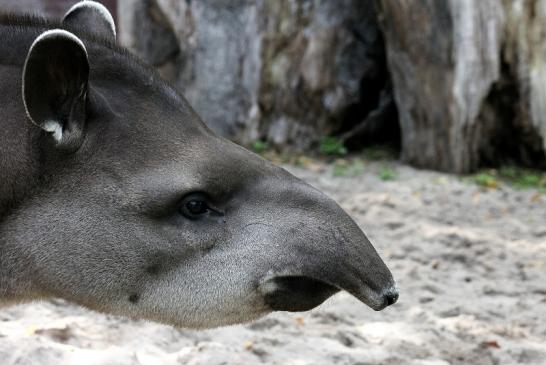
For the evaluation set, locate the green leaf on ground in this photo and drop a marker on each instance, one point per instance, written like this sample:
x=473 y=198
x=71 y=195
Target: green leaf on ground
x=387 y=173
x=332 y=146
x=259 y=146
x=351 y=168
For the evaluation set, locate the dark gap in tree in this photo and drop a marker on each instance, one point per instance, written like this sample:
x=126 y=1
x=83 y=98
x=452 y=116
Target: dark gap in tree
x=373 y=120
x=509 y=136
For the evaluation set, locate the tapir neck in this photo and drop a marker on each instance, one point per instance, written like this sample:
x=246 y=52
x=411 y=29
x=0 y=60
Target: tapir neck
x=18 y=156
x=19 y=177
x=19 y=161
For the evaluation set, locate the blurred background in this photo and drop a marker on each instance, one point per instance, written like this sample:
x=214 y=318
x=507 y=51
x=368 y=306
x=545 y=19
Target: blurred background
x=448 y=85
x=373 y=102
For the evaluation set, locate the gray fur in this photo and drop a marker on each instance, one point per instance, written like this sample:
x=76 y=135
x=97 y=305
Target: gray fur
x=99 y=224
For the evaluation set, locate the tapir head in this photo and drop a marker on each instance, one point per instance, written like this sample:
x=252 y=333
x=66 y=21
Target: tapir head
x=146 y=213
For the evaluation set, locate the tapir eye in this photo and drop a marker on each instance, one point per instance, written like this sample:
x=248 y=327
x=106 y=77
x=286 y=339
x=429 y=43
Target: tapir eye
x=194 y=206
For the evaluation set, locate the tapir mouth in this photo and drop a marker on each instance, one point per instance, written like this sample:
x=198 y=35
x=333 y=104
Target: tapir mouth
x=296 y=293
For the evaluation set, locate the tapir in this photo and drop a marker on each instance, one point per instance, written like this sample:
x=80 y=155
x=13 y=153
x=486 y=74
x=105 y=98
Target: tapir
x=114 y=195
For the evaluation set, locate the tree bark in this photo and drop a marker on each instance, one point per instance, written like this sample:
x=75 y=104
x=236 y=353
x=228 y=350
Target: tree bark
x=525 y=54
x=444 y=58
x=287 y=71
x=469 y=81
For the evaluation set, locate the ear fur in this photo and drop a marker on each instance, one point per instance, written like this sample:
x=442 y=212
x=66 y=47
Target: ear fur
x=55 y=84
x=92 y=17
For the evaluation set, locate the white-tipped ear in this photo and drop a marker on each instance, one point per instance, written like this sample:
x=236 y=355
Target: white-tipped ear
x=55 y=83
x=93 y=17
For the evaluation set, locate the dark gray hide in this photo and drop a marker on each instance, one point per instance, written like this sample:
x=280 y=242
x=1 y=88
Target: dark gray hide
x=114 y=195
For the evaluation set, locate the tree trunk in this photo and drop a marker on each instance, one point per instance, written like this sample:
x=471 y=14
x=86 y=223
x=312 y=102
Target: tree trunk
x=287 y=71
x=444 y=58
x=525 y=55
x=469 y=81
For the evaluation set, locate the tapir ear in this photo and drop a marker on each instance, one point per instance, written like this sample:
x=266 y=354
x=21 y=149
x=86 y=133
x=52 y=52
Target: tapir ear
x=92 y=17
x=55 y=79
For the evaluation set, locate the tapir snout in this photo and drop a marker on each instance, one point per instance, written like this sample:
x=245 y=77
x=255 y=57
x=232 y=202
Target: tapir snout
x=317 y=249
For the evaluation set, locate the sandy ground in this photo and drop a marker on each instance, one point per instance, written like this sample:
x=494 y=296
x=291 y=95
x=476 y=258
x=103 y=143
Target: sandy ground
x=471 y=265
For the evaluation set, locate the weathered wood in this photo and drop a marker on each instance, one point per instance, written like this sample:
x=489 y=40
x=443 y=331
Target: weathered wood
x=468 y=76
x=444 y=58
x=470 y=81
x=525 y=53
x=286 y=71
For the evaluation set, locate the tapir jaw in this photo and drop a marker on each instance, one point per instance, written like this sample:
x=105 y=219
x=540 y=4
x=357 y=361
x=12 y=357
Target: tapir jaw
x=297 y=293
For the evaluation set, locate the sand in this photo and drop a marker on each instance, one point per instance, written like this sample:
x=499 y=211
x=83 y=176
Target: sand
x=470 y=263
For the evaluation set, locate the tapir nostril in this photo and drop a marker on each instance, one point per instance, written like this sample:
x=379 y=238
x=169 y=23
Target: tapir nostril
x=391 y=296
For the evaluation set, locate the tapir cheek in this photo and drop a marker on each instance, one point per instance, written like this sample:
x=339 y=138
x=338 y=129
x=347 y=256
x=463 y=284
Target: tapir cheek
x=195 y=297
